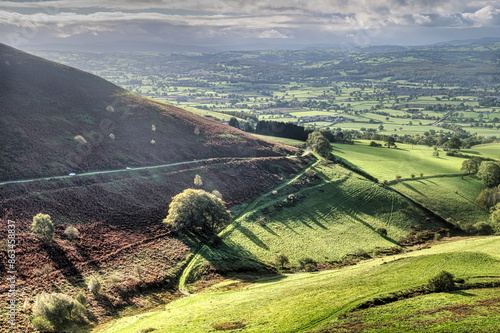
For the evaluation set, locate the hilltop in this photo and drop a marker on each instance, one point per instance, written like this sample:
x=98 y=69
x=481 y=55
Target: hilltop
x=57 y=120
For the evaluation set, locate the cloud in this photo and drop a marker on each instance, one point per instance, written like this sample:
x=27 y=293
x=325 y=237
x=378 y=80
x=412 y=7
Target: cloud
x=211 y=19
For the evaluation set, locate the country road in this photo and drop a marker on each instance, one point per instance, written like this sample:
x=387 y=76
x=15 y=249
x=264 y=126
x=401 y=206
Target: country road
x=121 y=170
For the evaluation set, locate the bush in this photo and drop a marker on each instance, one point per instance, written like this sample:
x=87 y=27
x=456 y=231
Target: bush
x=42 y=226
x=308 y=264
x=483 y=228
x=4 y=245
x=381 y=231
x=94 y=286
x=71 y=233
x=54 y=312
x=444 y=281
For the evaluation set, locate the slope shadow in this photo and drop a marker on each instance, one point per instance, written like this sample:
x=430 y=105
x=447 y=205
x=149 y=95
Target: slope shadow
x=62 y=263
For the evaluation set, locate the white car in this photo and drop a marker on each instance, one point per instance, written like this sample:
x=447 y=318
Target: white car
x=128 y=168
x=72 y=174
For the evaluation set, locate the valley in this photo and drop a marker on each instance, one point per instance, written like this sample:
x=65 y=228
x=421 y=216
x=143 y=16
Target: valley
x=343 y=240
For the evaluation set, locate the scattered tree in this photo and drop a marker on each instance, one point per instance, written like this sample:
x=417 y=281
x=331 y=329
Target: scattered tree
x=197 y=211
x=489 y=173
x=390 y=141
x=42 y=226
x=282 y=260
x=381 y=231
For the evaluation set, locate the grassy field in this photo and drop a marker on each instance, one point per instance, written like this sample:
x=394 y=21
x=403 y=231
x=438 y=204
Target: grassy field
x=309 y=301
x=491 y=150
x=442 y=189
x=336 y=217
x=286 y=141
x=384 y=163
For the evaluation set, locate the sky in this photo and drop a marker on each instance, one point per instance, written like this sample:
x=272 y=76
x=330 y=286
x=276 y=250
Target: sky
x=238 y=24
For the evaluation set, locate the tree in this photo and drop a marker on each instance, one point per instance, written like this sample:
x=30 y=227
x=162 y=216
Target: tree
x=282 y=260
x=197 y=211
x=318 y=143
x=471 y=165
x=381 y=128
x=454 y=143
x=389 y=141
x=42 y=226
x=489 y=173
x=197 y=181
x=234 y=122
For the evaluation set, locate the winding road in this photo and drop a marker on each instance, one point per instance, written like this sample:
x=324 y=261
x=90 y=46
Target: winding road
x=123 y=170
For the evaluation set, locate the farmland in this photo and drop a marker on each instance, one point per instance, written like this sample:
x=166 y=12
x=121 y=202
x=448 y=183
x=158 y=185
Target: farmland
x=356 y=91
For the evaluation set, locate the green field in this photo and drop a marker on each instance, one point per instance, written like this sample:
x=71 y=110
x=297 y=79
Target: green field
x=405 y=160
x=309 y=301
x=442 y=189
x=450 y=197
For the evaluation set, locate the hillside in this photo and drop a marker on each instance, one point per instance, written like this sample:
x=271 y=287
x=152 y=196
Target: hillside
x=122 y=240
x=307 y=302
x=57 y=119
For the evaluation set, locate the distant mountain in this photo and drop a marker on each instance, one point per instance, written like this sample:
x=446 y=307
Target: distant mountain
x=56 y=120
x=485 y=40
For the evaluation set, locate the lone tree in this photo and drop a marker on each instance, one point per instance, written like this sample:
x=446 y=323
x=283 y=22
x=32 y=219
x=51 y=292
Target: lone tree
x=489 y=173
x=42 y=226
x=318 y=143
x=197 y=211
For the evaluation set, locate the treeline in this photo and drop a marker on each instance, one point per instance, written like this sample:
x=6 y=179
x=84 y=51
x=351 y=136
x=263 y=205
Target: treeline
x=282 y=130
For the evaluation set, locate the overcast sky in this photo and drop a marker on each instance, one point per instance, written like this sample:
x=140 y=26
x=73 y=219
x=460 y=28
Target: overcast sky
x=275 y=23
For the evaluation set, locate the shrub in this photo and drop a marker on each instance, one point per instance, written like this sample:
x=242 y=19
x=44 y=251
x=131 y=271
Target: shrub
x=412 y=175
x=42 y=226
x=381 y=231
x=215 y=241
x=421 y=175
x=4 y=245
x=444 y=281
x=94 y=286
x=398 y=177
x=71 y=233
x=308 y=264
x=80 y=139
x=376 y=252
x=437 y=237
x=197 y=181
x=138 y=271
x=261 y=220
x=46 y=270
x=483 y=228
x=53 y=312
